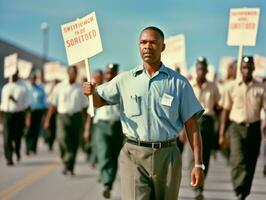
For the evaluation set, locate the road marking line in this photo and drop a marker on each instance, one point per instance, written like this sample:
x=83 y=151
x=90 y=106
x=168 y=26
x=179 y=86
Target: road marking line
x=11 y=191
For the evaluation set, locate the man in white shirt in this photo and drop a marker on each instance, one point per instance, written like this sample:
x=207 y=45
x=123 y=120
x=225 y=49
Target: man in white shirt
x=108 y=136
x=69 y=102
x=14 y=103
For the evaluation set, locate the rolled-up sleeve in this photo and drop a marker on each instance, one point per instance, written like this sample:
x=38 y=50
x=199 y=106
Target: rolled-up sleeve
x=189 y=106
x=110 y=91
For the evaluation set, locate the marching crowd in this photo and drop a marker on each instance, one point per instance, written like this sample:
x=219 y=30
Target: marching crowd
x=233 y=120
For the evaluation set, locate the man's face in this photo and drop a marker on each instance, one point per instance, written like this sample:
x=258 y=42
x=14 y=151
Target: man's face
x=151 y=46
x=98 y=77
x=72 y=74
x=201 y=71
x=109 y=75
x=247 y=70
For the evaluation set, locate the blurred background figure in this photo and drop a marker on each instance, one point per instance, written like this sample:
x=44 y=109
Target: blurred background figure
x=14 y=104
x=230 y=76
x=208 y=95
x=38 y=108
x=263 y=129
x=70 y=103
x=89 y=142
x=109 y=137
x=231 y=71
x=242 y=104
x=50 y=133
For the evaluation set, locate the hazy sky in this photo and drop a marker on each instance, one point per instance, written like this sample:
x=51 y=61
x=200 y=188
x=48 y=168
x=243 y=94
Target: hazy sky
x=204 y=24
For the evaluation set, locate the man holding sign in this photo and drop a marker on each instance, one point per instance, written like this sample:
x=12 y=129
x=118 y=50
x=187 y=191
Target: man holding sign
x=155 y=103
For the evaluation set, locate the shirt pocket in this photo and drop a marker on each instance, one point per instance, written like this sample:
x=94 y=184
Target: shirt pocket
x=164 y=111
x=133 y=106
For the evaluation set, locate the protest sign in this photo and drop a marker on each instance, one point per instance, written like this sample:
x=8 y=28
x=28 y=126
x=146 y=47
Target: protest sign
x=10 y=65
x=82 y=41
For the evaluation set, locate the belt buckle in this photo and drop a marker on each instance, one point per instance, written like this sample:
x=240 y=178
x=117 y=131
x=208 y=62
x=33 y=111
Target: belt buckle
x=153 y=144
x=247 y=125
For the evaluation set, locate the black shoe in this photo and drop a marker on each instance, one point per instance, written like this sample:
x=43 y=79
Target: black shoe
x=241 y=197
x=18 y=157
x=107 y=192
x=10 y=163
x=264 y=171
x=27 y=152
x=66 y=171
x=199 y=197
x=72 y=173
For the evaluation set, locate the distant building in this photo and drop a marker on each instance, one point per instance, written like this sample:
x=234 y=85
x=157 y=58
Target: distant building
x=7 y=48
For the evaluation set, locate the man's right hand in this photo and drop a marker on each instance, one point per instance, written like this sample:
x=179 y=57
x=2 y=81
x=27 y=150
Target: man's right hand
x=221 y=140
x=88 y=88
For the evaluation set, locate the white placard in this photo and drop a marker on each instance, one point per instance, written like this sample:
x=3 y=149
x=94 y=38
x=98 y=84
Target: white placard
x=24 y=68
x=10 y=65
x=260 y=66
x=81 y=38
x=174 y=54
x=54 y=71
x=243 y=26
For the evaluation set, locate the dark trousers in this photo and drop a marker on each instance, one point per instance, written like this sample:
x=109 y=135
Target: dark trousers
x=245 y=147
x=206 y=125
x=50 y=135
x=68 y=130
x=14 y=124
x=109 y=139
x=33 y=132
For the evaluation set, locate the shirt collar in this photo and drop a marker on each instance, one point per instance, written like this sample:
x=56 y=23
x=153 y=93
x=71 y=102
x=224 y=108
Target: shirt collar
x=138 y=70
x=195 y=84
x=240 y=82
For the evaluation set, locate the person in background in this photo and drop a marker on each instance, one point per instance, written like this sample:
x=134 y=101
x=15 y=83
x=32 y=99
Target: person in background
x=208 y=95
x=38 y=108
x=14 y=105
x=155 y=103
x=69 y=102
x=88 y=135
x=230 y=77
x=50 y=134
x=108 y=136
x=263 y=129
x=244 y=98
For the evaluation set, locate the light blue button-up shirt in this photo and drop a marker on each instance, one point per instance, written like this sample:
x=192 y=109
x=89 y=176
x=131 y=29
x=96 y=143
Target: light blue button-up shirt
x=152 y=108
x=38 y=98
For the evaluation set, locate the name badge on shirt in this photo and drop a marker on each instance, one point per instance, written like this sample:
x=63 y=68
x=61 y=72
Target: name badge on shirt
x=167 y=99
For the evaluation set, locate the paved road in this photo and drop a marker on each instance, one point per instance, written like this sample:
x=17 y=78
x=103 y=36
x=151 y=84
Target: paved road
x=39 y=177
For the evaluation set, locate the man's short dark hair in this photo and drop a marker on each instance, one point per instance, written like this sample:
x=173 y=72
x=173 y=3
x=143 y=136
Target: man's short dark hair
x=154 y=29
x=247 y=59
x=74 y=67
x=202 y=60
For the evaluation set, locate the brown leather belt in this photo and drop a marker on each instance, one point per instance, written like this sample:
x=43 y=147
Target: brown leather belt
x=154 y=145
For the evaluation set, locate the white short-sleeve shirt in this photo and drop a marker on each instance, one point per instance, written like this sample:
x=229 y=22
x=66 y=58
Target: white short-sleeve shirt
x=15 y=97
x=68 y=98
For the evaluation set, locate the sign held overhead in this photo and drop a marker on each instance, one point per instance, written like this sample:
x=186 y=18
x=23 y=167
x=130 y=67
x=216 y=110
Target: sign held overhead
x=243 y=26
x=81 y=38
x=10 y=65
x=24 y=68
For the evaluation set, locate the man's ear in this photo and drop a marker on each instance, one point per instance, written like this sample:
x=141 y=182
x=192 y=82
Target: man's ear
x=253 y=67
x=163 y=47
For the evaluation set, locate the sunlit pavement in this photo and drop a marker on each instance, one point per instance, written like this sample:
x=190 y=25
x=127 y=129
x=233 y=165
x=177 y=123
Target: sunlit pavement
x=39 y=177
